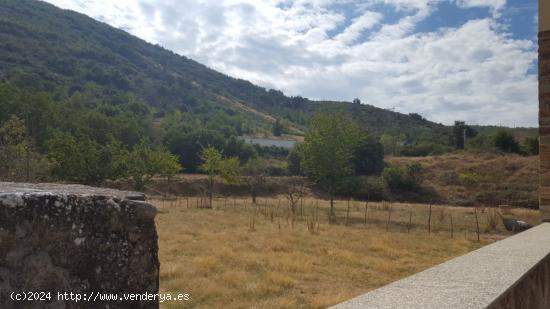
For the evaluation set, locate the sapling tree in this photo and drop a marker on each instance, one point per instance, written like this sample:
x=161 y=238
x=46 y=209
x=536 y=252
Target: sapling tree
x=328 y=151
x=294 y=193
x=215 y=165
x=255 y=172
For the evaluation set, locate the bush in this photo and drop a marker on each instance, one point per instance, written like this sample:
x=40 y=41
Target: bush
x=393 y=176
x=481 y=142
x=531 y=146
x=404 y=179
x=415 y=174
x=372 y=188
x=469 y=179
x=505 y=141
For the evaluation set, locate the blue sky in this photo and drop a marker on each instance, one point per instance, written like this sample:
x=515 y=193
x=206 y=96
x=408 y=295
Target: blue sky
x=473 y=60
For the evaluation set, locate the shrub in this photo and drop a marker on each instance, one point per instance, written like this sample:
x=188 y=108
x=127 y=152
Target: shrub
x=505 y=141
x=469 y=179
x=531 y=146
x=481 y=142
x=372 y=188
x=415 y=174
x=393 y=176
x=404 y=179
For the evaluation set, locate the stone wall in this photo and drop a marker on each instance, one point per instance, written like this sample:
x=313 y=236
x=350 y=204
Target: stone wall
x=544 y=122
x=67 y=238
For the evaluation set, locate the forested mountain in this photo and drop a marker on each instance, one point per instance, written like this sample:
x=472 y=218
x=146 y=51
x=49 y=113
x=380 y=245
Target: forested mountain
x=73 y=89
x=64 y=52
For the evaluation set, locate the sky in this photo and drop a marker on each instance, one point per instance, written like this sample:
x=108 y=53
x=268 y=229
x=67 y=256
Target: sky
x=471 y=60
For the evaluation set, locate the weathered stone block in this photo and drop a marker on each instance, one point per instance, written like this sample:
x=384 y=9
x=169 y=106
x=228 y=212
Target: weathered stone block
x=67 y=238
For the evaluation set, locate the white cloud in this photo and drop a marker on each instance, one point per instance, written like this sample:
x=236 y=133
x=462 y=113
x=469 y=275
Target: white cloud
x=495 y=5
x=359 y=24
x=474 y=72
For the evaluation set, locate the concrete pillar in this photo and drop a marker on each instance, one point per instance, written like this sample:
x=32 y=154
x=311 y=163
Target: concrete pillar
x=544 y=107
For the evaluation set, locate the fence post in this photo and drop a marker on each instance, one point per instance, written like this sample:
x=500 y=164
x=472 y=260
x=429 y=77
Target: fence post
x=430 y=220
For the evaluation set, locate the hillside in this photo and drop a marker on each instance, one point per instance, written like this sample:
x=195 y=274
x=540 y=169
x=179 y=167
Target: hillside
x=480 y=178
x=63 y=52
x=74 y=90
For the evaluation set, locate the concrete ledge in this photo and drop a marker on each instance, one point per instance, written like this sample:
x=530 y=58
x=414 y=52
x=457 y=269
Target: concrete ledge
x=511 y=273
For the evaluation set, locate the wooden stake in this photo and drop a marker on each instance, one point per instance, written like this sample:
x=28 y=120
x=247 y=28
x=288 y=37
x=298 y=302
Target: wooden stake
x=366 y=211
x=452 y=229
x=389 y=218
x=430 y=220
x=477 y=223
x=301 y=207
x=410 y=221
x=347 y=214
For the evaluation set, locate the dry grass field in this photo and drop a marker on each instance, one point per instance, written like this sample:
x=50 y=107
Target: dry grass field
x=241 y=256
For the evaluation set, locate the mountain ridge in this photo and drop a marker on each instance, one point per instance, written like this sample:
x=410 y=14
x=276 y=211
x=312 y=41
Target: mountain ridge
x=70 y=49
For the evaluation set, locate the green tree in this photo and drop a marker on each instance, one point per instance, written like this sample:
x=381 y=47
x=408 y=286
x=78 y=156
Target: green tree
x=189 y=144
x=37 y=110
x=213 y=164
x=144 y=162
x=369 y=157
x=278 y=128
x=505 y=141
x=328 y=151
x=294 y=160
x=531 y=145
x=18 y=159
x=79 y=159
x=392 y=144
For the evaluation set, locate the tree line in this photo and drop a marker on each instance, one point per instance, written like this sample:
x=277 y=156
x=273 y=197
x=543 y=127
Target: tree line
x=88 y=139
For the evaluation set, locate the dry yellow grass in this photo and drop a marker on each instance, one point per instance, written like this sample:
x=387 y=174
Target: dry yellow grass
x=222 y=261
x=480 y=178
